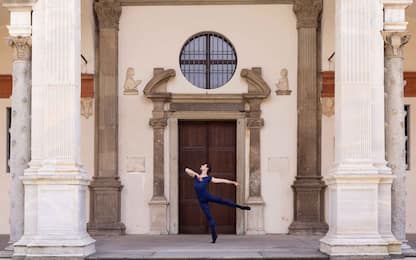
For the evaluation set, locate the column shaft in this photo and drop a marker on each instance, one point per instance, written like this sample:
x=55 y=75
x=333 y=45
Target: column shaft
x=20 y=132
x=395 y=131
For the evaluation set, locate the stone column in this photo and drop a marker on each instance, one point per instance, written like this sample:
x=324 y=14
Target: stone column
x=105 y=189
x=356 y=184
x=20 y=31
x=395 y=132
x=55 y=183
x=20 y=132
x=395 y=38
x=308 y=187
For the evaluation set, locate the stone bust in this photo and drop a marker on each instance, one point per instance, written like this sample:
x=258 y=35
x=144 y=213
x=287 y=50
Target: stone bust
x=130 y=85
x=283 y=84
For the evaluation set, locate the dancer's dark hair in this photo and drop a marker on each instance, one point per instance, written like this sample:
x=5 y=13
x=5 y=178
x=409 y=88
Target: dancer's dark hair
x=209 y=167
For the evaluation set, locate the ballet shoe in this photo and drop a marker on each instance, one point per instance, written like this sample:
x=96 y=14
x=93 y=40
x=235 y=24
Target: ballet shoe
x=246 y=208
x=214 y=238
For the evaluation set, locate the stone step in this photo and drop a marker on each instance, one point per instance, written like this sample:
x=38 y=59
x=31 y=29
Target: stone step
x=280 y=254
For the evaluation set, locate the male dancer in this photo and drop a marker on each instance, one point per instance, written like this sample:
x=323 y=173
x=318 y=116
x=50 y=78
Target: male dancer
x=201 y=182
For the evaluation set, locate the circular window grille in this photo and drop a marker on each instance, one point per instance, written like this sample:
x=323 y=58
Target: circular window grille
x=208 y=60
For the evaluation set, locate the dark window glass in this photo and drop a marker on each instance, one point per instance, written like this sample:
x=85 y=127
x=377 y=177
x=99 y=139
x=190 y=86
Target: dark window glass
x=9 y=123
x=208 y=60
x=407 y=133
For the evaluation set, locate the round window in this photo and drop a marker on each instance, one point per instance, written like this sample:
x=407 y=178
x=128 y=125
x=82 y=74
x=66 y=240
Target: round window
x=208 y=60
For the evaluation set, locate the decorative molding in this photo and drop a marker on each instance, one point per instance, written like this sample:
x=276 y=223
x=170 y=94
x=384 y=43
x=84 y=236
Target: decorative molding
x=395 y=14
x=156 y=87
x=130 y=85
x=307 y=13
x=328 y=106
x=283 y=84
x=87 y=107
x=202 y=2
x=108 y=14
x=257 y=87
x=394 y=43
x=87 y=85
x=328 y=83
x=22 y=47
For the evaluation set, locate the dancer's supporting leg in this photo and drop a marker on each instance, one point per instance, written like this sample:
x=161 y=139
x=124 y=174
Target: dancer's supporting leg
x=207 y=212
x=222 y=201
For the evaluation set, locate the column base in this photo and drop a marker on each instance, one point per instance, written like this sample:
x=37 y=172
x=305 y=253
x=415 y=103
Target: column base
x=55 y=214
x=105 y=207
x=158 y=215
x=56 y=246
x=308 y=206
x=255 y=216
x=354 y=245
x=354 y=214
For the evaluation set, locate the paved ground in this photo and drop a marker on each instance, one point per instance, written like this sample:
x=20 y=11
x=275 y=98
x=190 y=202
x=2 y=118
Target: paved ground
x=198 y=246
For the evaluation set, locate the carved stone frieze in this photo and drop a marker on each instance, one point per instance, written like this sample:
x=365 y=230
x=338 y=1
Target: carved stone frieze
x=108 y=13
x=307 y=13
x=22 y=47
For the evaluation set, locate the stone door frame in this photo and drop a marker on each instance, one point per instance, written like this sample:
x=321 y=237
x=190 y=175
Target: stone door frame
x=173 y=131
x=169 y=108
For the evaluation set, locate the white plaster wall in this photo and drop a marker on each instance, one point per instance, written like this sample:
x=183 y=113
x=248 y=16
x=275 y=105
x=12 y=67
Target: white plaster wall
x=263 y=35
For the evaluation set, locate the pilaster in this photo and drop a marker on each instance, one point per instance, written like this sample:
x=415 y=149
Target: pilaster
x=105 y=189
x=308 y=187
x=156 y=90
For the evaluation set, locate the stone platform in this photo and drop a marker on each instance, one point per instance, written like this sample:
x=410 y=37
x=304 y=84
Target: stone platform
x=198 y=247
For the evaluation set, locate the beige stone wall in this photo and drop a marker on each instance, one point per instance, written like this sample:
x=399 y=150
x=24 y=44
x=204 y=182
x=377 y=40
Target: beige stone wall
x=6 y=54
x=262 y=36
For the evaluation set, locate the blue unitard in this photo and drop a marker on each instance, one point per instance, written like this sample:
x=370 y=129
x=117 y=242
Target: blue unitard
x=204 y=197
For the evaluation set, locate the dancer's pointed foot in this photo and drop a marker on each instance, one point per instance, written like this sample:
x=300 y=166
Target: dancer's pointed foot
x=245 y=208
x=214 y=238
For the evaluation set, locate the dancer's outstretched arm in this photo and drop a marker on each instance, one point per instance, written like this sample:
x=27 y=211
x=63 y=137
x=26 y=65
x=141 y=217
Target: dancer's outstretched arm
x=192 y=173
x=218 y=180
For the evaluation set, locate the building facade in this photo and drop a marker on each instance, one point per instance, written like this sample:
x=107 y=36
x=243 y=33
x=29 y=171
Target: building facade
x=248 y=86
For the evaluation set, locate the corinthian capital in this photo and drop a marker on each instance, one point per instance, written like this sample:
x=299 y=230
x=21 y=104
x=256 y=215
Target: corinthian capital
x=394 y=43
x=307 y=13
x=108 y=13
x=22 y=47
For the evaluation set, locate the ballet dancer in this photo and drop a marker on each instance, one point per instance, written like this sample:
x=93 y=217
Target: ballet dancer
x=201 y=182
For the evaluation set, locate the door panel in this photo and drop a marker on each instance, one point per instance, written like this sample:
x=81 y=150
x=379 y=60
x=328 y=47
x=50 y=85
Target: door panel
x=213 y=142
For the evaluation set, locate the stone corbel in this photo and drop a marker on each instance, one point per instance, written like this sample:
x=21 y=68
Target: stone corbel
x=257 y=87
x=156 y=90
x=108 y=14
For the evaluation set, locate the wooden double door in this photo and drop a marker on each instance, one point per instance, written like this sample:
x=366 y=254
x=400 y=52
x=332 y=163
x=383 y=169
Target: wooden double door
x=201 y=142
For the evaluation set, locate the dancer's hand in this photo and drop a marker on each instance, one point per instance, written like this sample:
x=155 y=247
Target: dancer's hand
x=236 y=184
